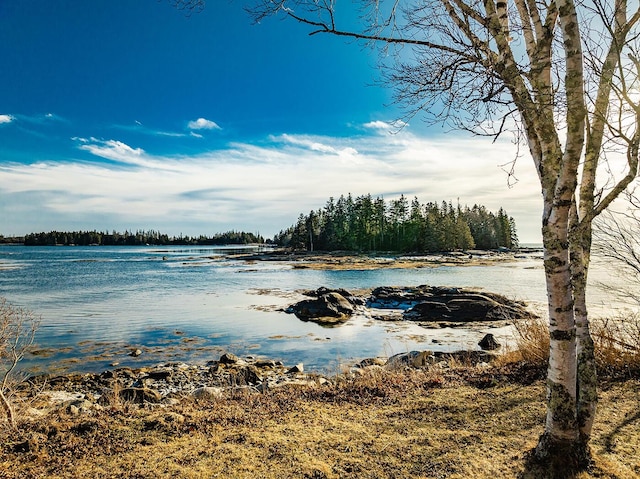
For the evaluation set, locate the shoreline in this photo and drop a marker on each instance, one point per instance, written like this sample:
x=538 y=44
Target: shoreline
x=346 y=260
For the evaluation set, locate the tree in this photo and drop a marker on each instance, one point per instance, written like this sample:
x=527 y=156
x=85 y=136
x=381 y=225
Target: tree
x=617 y=239
x=561 y=76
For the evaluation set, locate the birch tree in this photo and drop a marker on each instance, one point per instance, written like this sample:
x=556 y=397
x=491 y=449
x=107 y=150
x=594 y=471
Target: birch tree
x=563 y=77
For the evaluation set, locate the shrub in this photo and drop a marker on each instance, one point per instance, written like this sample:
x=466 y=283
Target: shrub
x=17 y=331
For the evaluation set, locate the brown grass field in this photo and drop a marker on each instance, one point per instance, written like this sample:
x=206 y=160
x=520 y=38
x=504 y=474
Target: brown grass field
x=462 y=422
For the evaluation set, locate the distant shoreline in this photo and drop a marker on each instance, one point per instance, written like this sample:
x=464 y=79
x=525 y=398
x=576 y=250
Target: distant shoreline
x=344 y=260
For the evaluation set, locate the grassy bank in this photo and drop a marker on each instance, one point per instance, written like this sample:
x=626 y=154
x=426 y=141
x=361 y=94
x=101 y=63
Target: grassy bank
x=460 y=422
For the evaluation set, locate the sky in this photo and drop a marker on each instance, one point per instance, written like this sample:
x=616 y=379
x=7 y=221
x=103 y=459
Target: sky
x=120 y=115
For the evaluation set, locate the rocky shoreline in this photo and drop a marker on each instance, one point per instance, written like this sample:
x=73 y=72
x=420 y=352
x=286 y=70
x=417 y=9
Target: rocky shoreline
x=344 y=260
x=171 y=383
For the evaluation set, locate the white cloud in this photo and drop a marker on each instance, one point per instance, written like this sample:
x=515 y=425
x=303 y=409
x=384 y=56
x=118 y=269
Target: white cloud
x=6 y=119
x=389 y=127
x=261 y=187
x=316 y=144
x=378 y=125
x=203 y=124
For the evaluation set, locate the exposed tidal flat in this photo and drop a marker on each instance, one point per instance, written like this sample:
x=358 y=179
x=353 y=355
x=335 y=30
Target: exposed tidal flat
x=191 y=304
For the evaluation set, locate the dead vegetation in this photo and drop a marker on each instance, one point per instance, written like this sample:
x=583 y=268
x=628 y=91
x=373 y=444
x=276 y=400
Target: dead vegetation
x=459 y=422
x=17 y=330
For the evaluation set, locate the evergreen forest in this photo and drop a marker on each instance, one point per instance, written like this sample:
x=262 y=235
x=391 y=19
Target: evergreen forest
x=86 y=238
x=367 y=224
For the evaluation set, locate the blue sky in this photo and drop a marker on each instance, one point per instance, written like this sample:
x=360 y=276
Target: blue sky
x=131 y=115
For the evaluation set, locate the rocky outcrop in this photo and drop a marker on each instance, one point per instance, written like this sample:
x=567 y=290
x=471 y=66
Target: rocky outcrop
x=425 y=304
x=328 y=307
x=435 y=303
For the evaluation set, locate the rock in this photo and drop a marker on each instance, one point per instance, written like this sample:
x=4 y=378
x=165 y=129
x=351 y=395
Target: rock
x=465 y=357
x=207 y=393
x=427 y=311
x=396 y=297
x=229 y=358
x=135 y=353
x=371 y=362
x=160 y=374
x=415 y=359
x=298 y=368
x=63 y=397
x=265 y=364
x=246 y=375
x=433 y=303
x=140 y=395
x=489 y=343
x=328 y=308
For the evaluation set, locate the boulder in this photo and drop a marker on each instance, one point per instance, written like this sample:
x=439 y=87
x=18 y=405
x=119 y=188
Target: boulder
x=140 y=395
x=298 y=368
x=489 y=343
x=228 y=358
x=428 y=311
x=246 y=375
x=414 y=359
x=207 y=393
x=329 y=308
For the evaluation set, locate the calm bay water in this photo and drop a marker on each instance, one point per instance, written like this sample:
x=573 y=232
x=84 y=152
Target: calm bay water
x=192 y=303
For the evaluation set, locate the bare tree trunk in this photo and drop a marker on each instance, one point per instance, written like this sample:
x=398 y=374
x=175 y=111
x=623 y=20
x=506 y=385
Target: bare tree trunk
x=561 y=431
x=580 y=247
x=6 y=405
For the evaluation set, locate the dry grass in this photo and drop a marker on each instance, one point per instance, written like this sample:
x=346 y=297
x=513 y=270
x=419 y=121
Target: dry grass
x=463 y=423
x=618 y=344
x=616 y=340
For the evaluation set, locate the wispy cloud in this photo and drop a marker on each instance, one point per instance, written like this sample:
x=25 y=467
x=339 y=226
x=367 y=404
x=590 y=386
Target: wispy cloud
x=259 y=186
x=203 y=124
x=315 y=144
x=6 y=119
x=120 y=152
x=389 y=127
x=139 y=127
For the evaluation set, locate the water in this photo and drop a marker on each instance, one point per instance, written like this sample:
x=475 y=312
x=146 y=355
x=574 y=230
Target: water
x=192 y=303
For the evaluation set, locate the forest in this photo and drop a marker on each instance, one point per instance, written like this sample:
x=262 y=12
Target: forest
x=86 y=238
x=361 y=224
x=367 y=224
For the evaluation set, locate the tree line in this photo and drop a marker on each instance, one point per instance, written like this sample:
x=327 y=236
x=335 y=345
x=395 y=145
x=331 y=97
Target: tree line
x=86 y=238
x=367 y=224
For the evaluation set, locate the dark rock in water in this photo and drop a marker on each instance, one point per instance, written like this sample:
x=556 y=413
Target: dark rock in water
x=398 y=298
x=489 y=343
x=434 y=303
x=428 y=310
x=328 y=308
x=135 y=353
x=321 y=291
